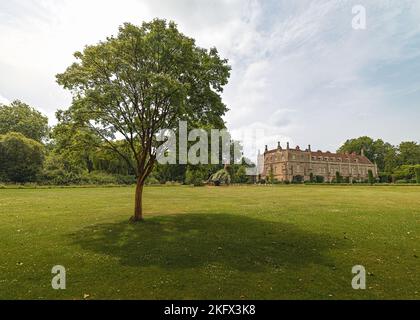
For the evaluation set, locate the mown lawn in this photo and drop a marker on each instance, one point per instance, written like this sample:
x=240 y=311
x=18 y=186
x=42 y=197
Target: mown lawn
x=285 y=242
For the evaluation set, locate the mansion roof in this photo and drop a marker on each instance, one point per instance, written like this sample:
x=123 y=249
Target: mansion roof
x=342 y=157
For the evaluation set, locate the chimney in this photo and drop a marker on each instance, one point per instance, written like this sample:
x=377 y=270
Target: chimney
x=288 y=146
x=279 y=145
x=266 y=148
x=309 y=148
x=363 y=152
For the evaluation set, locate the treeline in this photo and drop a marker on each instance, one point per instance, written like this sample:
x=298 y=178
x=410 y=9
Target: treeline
x=396 y=164
x=68 y=154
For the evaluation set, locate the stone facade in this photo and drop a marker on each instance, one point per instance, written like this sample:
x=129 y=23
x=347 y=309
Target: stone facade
x=287 y=164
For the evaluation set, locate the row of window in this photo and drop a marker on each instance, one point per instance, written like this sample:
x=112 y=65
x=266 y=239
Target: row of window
x=303 y=157
x=332 y=171
x=333 y=159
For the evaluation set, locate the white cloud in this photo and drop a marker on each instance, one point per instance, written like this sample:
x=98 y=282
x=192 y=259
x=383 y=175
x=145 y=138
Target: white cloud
x=3 y=100
x=299 y=70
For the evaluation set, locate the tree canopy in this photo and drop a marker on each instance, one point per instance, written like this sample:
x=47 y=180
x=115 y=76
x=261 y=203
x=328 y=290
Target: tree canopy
x=376 y=151
x=20 y=117
x=145 y=79
x=21 y=158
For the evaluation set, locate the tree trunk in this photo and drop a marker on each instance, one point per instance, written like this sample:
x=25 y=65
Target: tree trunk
x=138 y=208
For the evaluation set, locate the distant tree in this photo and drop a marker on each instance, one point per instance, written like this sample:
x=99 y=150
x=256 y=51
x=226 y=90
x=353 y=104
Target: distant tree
x=390 y=160
x=74 y=142
x=143 y=80
x=417 y=170
x=240 y=175
x=21 y=158
x=408 y=153
x=375 y=150
x=19 y=117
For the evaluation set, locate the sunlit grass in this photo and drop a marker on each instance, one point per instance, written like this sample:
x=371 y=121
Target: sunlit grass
x=285 y=242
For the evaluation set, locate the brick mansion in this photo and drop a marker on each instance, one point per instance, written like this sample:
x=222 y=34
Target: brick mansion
x=285 y=164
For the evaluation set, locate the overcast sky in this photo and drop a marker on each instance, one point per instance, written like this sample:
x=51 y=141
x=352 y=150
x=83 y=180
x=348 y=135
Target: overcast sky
x=300 y=71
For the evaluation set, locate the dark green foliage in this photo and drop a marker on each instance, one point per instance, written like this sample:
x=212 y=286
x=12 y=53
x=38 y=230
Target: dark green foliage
x=371 y=178
x=385 y=177
x=386 y=156
x=338 y=177
x=405 y=172
x=21 y=158
x=319 y=179
x=19 y=117
x=311 y=178
x=409 y=153
x=417 y=170
x=375 y=150
x=298 y=179
x=195 y=176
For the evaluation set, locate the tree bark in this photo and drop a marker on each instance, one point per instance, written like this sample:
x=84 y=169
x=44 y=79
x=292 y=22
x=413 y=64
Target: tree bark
x=138 y=207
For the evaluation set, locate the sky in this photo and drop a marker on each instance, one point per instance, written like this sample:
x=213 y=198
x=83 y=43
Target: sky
x=300 y=71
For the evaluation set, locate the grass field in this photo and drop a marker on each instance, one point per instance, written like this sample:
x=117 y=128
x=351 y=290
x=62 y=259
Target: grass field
x=285 y=242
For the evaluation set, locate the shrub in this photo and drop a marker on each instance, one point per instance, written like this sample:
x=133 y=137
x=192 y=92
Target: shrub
x=385 y=178
x=103 y=178
x=417 y=171
x=311 y=178
x=221 y=177
x=194 y=177
x=338 y=177
x=21 y=158
x=152 y=181
x=319 y=179
x=298 y=179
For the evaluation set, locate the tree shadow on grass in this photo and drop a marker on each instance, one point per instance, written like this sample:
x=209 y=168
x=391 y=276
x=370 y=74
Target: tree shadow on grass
x=195 y=240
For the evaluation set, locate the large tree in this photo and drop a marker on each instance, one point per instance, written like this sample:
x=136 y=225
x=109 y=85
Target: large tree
x=376 y=151
x=20 y=117
x=145 y=79
x=408 y=153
